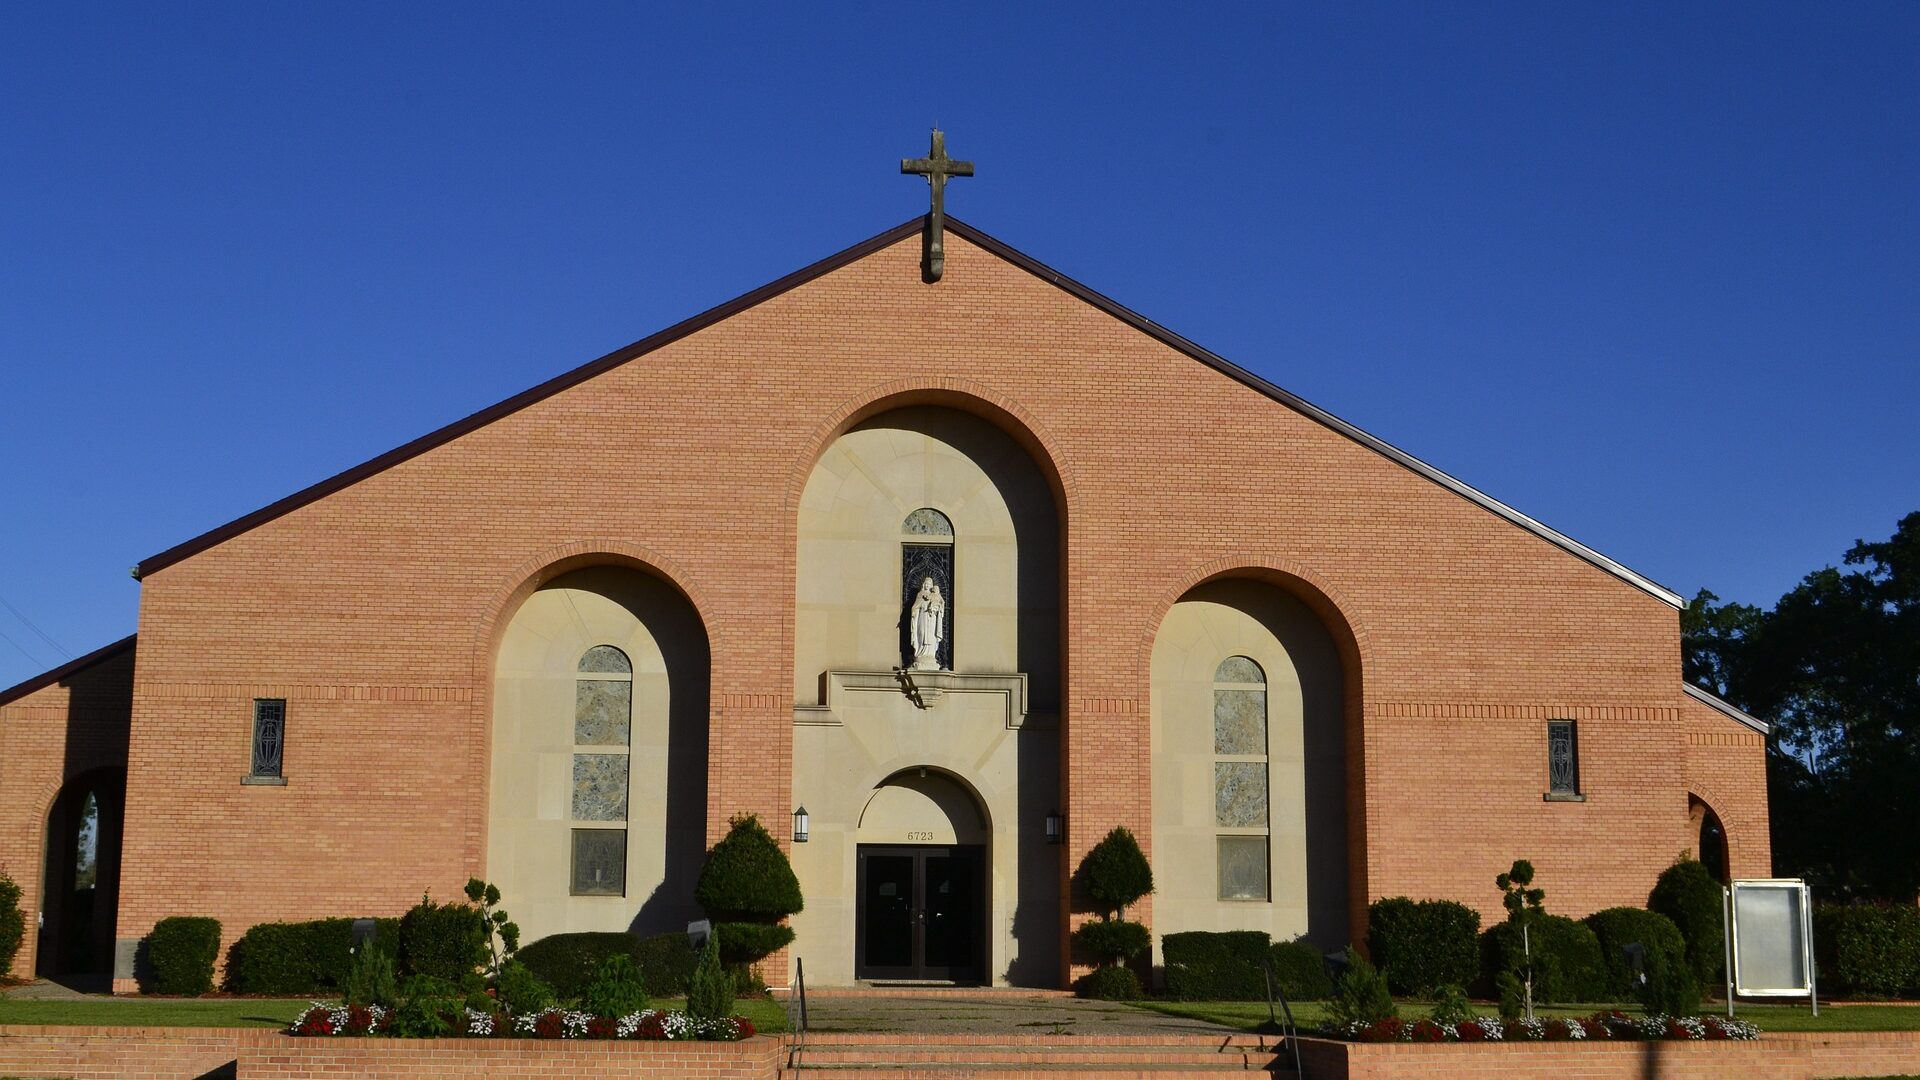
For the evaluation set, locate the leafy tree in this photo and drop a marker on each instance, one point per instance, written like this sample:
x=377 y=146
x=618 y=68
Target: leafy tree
x=1835 y=668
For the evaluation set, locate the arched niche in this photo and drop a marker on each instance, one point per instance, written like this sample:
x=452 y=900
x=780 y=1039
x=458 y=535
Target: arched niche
x=1710 y=834
x=926 y=807
x=597 y=802
x=1249 y=766
x=936 y=476
x=81 y=880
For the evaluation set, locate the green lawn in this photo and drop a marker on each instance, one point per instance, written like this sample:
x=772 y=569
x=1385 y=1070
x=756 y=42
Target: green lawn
x=1250 y=1015
x=766 y=1014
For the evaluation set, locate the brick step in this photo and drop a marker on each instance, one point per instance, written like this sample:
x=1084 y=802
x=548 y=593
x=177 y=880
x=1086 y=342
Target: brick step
x=829 y=1057
x=1062 y=1040
x=1014 y=1071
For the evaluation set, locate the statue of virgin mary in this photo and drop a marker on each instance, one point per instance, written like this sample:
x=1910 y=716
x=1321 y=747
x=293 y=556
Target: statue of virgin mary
x=927 y=626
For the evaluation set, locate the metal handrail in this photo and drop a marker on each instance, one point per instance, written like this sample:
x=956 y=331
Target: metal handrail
x=1290 y=1033
x=797 y=1013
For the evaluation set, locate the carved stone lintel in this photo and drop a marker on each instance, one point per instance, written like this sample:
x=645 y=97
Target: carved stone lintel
x=925 y=689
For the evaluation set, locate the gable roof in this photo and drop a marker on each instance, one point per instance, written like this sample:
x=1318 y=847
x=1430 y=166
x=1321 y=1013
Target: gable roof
x=72 y=667
x=833 y=262
x=1726 y=708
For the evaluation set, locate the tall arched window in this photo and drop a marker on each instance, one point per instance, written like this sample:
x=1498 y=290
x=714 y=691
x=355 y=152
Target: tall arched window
x=1240 y=778
x=602 y=745
x=926 y=551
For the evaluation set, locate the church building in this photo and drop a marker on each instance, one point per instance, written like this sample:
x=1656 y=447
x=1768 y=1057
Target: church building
x=943 y=565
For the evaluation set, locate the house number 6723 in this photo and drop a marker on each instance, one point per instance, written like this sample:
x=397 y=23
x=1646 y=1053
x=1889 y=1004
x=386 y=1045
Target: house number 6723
x=919 y=836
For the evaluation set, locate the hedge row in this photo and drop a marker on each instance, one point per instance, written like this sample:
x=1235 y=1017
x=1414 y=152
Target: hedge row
x=300 y=957
x=1567 y=963
x=570 y=962
x=1421 y=946
x=1226 y=966
x=1868 y=950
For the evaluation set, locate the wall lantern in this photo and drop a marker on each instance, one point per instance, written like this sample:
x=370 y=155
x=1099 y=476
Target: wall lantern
x=1056 y=828
x=800 y=822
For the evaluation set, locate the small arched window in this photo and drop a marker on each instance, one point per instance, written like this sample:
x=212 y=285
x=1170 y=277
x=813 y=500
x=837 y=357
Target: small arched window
x=602 y=742
x=1240 y=778
x=926 y=551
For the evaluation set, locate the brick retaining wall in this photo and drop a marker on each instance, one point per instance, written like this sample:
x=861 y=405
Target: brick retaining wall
x=1784 y=1056
x=91 y=1053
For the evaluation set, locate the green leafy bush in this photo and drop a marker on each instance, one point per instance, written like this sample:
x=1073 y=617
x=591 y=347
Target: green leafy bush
x=1688 y=894
x=1115 y=873
x=446 y=941
x=1867 y=950
x=300 y=957
x=710 y=991
x=520 y=990
x=745 y=942
x=1205 y=965
x=429 y=1007
x=1618 y=927
x=747 y=877
x=617 y=989
x=181 y=952
x=13 y=925
x=1670 y=990
x=1109 y=941
x=1361 y=996
x=1300 y=971
x=1111 y=982
x=1423 y=945
x=1450 y=1006
x=1566 y=959
x=372 y=980
x=571 y=962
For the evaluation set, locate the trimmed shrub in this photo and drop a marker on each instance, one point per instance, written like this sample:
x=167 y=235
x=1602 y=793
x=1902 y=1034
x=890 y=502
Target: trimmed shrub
x=617 y=989
x=571 y=962
x=181 y=952
x=1107 y=941
x=446 y=941
x=1300 y=970
x=1620 y=926
x=300 y=957
x=1566 y=959
x=1111 y=982
x=1867 y=950
x=1688 y=894
x=747 y=877
x=1424 y=945
x=710 y=991
x=520 y=990
x=1208 y=966
x=1361 y=996
x=13 y=925
x=745 y=942
x=1115 y=873
x=372 y=980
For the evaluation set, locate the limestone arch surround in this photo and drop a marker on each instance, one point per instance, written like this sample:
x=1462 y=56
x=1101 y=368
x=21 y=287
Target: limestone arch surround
x=652 y=621
x=1306 y=771
x=998 y=735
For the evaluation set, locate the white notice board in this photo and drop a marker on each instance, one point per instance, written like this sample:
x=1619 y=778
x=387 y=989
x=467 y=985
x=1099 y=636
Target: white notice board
x=1770 y=929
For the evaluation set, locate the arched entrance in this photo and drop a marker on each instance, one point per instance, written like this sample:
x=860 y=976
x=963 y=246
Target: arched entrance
x=921 y=906
x=1712 y=838
x=81 y=890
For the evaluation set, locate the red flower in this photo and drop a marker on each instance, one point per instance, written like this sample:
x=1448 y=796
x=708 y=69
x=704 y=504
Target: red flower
x=1594 y=1027
x=745 y=1025
x=600 y=1028
x=316 y=1021
x=1556 y=1030
x=1471 y=1031
x=1675 y=1031
x=1387 y=1030
x=359 y=1019
x=1428 y=1031
x=549 y=1026
x=651 y=1027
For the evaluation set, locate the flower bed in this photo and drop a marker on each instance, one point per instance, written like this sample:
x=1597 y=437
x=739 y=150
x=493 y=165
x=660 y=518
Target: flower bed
x=1599 y=1026
x=328 y=1020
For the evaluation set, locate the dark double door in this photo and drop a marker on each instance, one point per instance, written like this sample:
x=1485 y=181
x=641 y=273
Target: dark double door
x=921 y=913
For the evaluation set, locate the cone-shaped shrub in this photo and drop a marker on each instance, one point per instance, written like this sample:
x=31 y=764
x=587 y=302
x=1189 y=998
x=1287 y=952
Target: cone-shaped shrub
x=710 y=991
x=747 y=877
x=1115 y=872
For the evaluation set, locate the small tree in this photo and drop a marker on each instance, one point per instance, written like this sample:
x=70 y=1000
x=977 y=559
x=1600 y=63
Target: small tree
x=1361 y=996
x=1115 y=874
x=503 y=934
x=747 y=886
x=710 y=991
x=1524 y=905
x=13 y=925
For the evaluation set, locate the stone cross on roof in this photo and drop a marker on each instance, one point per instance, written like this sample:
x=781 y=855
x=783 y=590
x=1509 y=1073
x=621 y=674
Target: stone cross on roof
x=936 y=167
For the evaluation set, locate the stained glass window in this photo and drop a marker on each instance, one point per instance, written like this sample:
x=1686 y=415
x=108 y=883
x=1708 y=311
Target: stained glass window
x=602 y=738
x=269 y=735
x=1563 y=758
x=599 y=862
x=1240 y=777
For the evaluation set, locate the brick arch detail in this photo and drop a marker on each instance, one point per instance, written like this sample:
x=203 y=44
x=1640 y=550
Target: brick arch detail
x=1348 y=630
x=1739 y=827
x=534 y=571
x=966 y=395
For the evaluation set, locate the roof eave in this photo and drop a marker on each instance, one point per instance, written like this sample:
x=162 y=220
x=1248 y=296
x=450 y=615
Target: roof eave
x=1727 y=708
x=72 y=667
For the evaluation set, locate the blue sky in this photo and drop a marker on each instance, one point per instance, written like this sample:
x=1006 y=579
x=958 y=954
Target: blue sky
x=1648 y=273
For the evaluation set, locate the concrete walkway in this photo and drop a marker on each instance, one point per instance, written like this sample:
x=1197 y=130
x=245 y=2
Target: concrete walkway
x=994 y=1012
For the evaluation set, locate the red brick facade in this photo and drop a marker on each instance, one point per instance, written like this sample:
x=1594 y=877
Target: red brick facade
x=374 y=611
